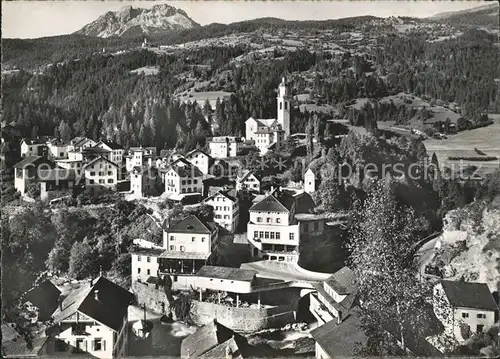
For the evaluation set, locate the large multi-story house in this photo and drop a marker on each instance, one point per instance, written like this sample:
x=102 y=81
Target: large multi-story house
x=92 y=320
x=279 y=221
x=80 y=143
x=334 y=297
x=57 y=149
x=101 y=172
x=28 y=171
x=226 y=208
x=189 y=243
x=116 y=151
x=182 y=177
x=35 y=147
x=464 y=308
x=270 y=134
x=74 y=165
x=144 y=181
x=140 y=157
x=247 y=181
x=199 y=159
x=223 y=147
x=145 y=263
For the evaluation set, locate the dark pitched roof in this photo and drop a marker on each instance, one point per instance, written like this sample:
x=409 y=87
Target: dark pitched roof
x=469 y=295
x=229 y=273
x=91 y=150
x=342 y=281
x=111 y=144
x=341 y=340
x=207 y=338
x=186 y=169
x=109 y=310
x=36 y=141
x=191 y=224
x=343 y=306
x=34 y=161
x=245 y=174
x=220 y=350
x=228 y=193
x=284 y=201
x=198 y=150
x=272 y=204
x=97 y=159
x=44 y=296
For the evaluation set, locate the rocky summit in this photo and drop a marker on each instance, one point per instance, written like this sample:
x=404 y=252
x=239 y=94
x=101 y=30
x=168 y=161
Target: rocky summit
x=135 y=21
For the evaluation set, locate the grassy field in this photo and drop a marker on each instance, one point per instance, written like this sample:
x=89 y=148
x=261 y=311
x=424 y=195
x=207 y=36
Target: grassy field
x=485 y=139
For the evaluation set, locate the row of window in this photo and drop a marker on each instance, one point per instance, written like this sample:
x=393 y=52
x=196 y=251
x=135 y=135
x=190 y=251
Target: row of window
x=98 y=344
x=268 y=220
x=189 y=182
x=479 y=315
x=110 y=173
x=181 y=248
x=148 y=259
x=218 y=216
x=148 y=271
x=101 y=181
x=193 y=239
x=222 y=208
x=271 y=235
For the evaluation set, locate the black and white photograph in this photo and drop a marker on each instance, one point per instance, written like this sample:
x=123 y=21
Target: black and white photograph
x=250 y=179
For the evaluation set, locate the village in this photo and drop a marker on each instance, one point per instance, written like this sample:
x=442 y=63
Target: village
x=271 y=291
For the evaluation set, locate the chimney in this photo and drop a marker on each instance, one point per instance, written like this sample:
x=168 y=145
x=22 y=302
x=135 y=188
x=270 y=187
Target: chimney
x=339 y=317
x=96 y=294
x=60 y=300
x=91 y=282
x=272 y=189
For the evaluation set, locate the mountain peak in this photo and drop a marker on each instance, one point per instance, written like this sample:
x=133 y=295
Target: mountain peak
x=136 y=21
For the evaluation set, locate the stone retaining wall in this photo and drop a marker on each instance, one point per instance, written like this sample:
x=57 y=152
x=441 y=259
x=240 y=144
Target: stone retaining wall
x=243 y=319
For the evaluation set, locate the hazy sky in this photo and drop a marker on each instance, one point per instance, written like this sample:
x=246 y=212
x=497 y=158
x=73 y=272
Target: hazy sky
x=30 y=19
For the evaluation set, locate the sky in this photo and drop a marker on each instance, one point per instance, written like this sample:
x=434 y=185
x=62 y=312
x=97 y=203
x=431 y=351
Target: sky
x=32 y=19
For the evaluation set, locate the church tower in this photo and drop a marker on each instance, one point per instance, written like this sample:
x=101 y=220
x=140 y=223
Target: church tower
x=284 y=108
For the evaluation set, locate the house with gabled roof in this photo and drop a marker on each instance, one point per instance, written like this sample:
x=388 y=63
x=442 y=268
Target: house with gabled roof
x=57 y=149
x=101 y=172
x=33 y=147
x=182 y=177
x=200 y=159
x=334 y=297
x=140 y=157
x=248 y=181
x=279 y=221
x=224 y=146
x=464 y=308
x=93 y=320
x=78 y=143
x=188 y=245
x=214 y=340
x=226 y=207
x=117 y=152
x=340 y=339
x=144 y=181
x=28 y=171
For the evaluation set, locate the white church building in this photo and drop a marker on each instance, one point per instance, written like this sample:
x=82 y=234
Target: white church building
x=269 y=134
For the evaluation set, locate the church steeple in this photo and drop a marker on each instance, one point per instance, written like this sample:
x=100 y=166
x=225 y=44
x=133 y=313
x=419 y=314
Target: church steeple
x=283 y=103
